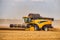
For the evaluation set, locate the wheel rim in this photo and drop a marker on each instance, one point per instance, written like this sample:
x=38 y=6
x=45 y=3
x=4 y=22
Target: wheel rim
x=35 y=28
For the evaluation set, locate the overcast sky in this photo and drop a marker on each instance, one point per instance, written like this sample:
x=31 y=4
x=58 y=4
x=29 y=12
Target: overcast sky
x=16 y=9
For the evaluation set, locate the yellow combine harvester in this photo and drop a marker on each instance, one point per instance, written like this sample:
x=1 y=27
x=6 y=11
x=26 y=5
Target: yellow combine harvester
x=36 y=22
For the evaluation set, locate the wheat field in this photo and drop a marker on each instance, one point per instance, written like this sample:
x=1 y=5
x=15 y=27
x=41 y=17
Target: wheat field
x=30 y=35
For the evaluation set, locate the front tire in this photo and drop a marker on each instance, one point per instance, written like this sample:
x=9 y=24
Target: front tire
x=36 y=28
x=32 y=27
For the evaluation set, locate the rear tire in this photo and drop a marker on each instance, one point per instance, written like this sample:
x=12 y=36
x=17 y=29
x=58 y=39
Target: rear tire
x=45 y=28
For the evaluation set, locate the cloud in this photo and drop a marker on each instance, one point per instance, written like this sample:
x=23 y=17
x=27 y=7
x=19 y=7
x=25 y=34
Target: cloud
x=38 y=0
x=19 y=0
